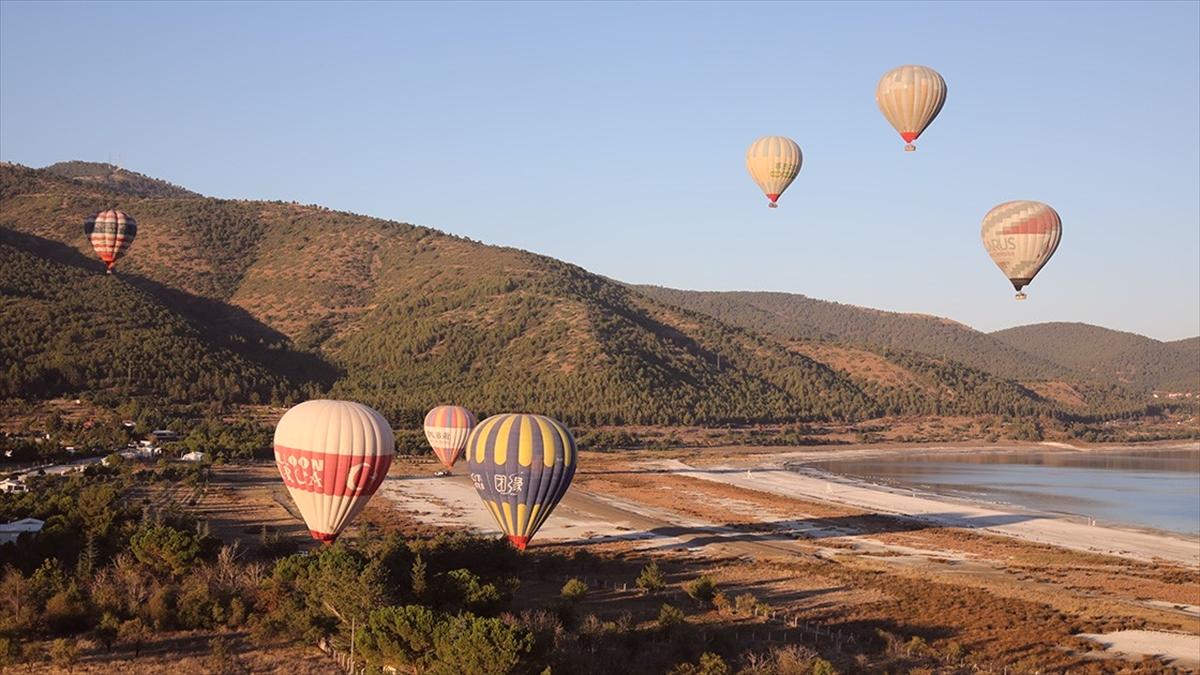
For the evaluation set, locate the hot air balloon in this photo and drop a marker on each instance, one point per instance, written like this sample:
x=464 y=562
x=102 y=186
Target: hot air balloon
x=333 y=455
x=521 y=465
x=773 y=162
x=1021 y=236
x=111 y=233
x=910 y=97
x=447 y=428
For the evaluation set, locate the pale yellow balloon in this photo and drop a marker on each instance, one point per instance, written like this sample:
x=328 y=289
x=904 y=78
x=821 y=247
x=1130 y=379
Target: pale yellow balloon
x=773 y=163
x=910 y=97
x=1020 y=236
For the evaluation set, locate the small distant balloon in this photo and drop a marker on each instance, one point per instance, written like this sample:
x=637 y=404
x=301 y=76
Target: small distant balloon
x=910 y=97
x=111 y=233
x=332 y=455
x=521 y=466
x=446 y=429
x=773 y=163
x=1020 y=236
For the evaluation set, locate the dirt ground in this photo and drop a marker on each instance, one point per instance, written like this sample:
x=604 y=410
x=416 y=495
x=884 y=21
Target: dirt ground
x=840 y=580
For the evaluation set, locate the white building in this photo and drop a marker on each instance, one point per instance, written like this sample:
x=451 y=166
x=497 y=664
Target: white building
x=10 y=531
x=12 y=485
x=194 y=457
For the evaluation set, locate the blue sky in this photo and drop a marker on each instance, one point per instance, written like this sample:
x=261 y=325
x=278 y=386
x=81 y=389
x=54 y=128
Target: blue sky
x=613 y=135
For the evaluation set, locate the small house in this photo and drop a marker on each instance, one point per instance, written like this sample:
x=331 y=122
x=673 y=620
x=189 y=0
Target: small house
x=12 y=485
x=163 y=436
x=194 y=457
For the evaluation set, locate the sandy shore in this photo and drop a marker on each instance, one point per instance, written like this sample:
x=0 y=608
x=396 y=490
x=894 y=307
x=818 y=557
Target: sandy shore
x=1040 y=528
x=1179 y=650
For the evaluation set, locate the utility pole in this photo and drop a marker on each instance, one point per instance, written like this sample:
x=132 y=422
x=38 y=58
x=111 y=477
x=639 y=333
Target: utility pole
x=351 y=669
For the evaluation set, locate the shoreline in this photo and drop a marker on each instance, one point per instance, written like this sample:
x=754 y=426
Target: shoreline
x=1038 y=527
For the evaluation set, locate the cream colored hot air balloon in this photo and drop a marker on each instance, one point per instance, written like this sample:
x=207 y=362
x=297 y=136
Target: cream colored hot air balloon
x=1021 y=236
x=333 y=455
x=910 y=97
x=773 y=162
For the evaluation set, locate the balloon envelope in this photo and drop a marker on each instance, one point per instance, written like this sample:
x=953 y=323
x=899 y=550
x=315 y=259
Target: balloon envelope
x=446 y=429
x=773 y=163
x=111 y=233
x=910 y=97
x=332 y=455
x=521 y=465
x=1020 y=236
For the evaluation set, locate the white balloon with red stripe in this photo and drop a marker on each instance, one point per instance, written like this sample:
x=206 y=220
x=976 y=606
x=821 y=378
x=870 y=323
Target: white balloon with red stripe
x=1020 y=236
x=332 y=455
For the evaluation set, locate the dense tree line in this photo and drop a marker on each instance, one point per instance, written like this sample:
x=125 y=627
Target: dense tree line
x=1112 y=356
x=795 y=316
x=64 y=331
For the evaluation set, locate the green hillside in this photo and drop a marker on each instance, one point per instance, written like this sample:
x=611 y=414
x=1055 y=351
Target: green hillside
x=64 y=330
x=405 y=317
x=1113 y=355
x=798 y=317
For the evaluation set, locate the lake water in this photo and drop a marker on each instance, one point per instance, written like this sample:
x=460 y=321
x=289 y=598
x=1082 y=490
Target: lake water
x=1155 y=488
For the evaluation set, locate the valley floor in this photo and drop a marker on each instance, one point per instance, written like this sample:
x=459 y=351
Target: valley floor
x=848 y=570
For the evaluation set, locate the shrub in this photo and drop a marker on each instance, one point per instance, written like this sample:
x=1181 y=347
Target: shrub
x=165 y=549
x=746 y=603
x=64 y=653
x=822 y=667
x=669 y=616
x=470 y=645
x=701 y=590
x=709 y=664
x=651 y=579
x=574 y=590
x=398 y=636
x=722 y=603
x=465 y=590
x=221 y=659
x=418 y=577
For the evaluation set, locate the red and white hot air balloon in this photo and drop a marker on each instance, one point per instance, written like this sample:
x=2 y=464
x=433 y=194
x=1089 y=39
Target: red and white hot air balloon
x=110 y=233
x=447 y=428
x=333 y=455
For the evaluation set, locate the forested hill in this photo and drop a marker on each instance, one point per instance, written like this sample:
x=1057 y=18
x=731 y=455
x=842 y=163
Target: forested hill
x=796 y=316
x=1109 y=354
x=404 y=317
x=64 y=330
x=118 y=180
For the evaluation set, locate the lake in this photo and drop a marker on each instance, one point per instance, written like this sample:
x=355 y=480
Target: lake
x=1151 y=488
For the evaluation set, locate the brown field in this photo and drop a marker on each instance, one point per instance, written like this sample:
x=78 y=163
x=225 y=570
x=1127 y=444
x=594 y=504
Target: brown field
x=861 y=589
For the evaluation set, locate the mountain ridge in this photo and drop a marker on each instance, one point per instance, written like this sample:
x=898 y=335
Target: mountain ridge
x=402 y=317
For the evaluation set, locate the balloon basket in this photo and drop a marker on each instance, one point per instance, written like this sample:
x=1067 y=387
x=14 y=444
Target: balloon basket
x=772 y=205
x=1021 y=296
x=909 y=147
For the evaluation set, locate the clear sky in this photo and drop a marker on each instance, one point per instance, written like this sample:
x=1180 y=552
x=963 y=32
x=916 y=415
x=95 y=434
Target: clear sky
x=613 y=135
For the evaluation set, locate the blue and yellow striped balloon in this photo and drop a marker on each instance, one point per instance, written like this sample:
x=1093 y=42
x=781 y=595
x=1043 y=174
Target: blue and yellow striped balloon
x=521 y=465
